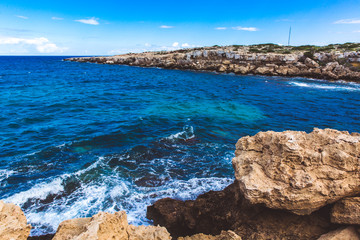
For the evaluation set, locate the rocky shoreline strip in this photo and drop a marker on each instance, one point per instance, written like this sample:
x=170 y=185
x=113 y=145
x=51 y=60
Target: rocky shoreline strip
x=289 y=185
x=329 y=62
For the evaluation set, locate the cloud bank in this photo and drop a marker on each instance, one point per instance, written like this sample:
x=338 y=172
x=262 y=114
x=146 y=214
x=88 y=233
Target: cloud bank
x=42 y=45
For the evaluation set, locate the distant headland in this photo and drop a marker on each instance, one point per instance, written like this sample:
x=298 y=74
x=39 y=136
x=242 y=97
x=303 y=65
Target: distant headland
x=332 y=62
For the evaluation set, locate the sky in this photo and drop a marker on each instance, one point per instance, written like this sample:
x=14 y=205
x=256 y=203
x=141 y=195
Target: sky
x=110 y=27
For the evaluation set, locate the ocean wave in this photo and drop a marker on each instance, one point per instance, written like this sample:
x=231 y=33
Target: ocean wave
x=111 y=192
x=335 y=87
x=186 y=134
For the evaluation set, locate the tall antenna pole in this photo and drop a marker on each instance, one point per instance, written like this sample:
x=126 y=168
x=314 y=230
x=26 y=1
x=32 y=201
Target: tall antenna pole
x=289 y=36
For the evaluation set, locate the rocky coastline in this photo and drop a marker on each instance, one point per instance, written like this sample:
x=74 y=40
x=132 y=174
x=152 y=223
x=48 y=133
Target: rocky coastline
x=332 y=62
x=288 y=185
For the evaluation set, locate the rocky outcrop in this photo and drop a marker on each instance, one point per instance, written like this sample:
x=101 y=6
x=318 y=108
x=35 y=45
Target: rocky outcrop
x=297 y=171
x=348 y=233
x=215 y=211
x=322 y=65
x=13 y=224
x=104 y=226
x=224 y=235
x=346 y=211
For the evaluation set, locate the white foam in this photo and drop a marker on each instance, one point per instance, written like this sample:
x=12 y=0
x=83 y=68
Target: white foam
x=186 y=134
x=338 y=87
x=39 y=191
x=4 y=174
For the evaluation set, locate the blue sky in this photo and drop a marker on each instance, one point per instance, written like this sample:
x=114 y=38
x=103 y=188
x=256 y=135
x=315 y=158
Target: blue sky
x=110 y=27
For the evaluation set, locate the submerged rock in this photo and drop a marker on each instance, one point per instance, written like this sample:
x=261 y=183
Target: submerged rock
x=297 y=171
x=104 y=226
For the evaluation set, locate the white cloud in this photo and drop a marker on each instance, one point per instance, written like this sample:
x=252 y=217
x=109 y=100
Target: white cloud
x=347 y=21
x=165 y=26
x=175 y=44
x=250 y=29
x=57 y=18
x=42 y=45
x=185 y=45
x=91 y=21
x=221 y=28
x=356 y=31
x=23 y=17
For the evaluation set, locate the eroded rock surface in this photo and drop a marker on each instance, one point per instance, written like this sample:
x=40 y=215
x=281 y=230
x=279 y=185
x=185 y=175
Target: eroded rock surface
x=224 y=235
x=346 y=211
x=297 y=171
x=105 y=226
x=215 y=211
x=13 y=224
x=348 y=233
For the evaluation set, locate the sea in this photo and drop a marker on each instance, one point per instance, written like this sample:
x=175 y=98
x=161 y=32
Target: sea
x=79 y=138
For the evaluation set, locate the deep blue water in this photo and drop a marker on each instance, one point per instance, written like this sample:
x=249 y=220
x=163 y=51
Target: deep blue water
x=76 y=138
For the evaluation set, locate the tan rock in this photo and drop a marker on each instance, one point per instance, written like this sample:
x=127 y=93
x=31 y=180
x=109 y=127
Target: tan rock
x=148 y=233
x=264 y=70
x=104 y=226
x=13 y=224
x=241 y=69
x=224 y=235
x=348 y=233
x=222 y=68
x=311 y=63
x=346 y=211
x=297 y=171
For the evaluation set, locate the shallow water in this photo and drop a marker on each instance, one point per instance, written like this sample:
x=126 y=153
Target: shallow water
x=77 y=138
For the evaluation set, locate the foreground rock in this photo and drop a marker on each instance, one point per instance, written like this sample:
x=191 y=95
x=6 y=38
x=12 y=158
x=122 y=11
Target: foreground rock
x=13 y=225
x=224 y=235
x=348 y=233
x=105 y=226
x=215 y=211
x=346 y=211
x=297 y=171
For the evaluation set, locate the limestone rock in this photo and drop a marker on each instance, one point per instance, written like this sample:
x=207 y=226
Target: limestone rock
x=148 y=233
x=224 y=235
x=104 y=226
x=348 y=233
x=311 y=63
x=13 y=224
x=297 y=171
x=346 y=211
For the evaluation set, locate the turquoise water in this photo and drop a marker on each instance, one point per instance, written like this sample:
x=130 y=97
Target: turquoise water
x=77 y=138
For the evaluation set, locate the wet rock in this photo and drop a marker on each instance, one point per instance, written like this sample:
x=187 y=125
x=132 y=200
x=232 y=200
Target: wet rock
x=296 y=171
x=13 y=224
x=215 y=211
x=346 y=211
x=348 y=233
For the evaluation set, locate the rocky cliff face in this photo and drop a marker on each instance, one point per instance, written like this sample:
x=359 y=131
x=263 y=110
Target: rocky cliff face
x=240 y=61
x=285 y=185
